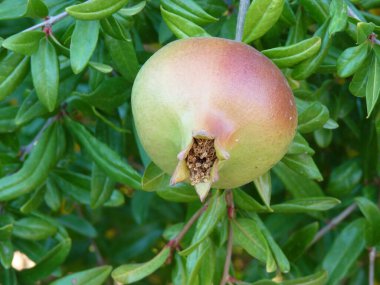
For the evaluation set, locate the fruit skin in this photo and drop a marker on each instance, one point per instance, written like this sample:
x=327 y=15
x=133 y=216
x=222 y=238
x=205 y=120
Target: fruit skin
x=222 y=87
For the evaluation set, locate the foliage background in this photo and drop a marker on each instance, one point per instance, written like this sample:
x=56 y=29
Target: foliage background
x=71 y=198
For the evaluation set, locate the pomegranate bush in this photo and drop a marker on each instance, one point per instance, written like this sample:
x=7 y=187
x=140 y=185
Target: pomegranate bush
x=189 y=142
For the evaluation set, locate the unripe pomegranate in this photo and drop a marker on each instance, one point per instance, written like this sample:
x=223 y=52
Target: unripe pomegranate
x=214 y=112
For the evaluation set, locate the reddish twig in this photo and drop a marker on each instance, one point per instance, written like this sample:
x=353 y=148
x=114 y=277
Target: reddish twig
x=231 y=215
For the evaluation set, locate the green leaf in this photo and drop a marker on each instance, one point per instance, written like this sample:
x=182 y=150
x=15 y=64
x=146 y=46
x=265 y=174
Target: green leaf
x=130 y=273
x=106 y=158
x=37 y=9
x=248 y=235
x=261 y=16
x=6 y=231
x=34 y=201
x=310 y=65
x=264 y=187
x=83 y=44
x=344 y=252
x=279 y=256
x=154 y=178
x=94 y=276
x=288 y=15
x=181 y=27
x=318 y=10
x=25 y=43
x=12 y=9
x=79 y=225
x=297 y=184
x=202 y=256
x=133 y=10
x=363 y=31
x=52 y=195
x=101 y=187
x=189 y=10
x=6 y=253
x=313 y=117
x=303 y=164
x=373 y=84
x=207 y=222
x=305 y=205
x=300 y=145
x=181 y=193
x=101 y=67
x=291 y=55
x=299 y=241
x=108 y=95
x=344 y=178
x=372 y=214
x=50 y=261
x=124 y=57
x=113 y=28
x=246 y=202
x=13 y=70
x=32 y=228
x=351 y=60
x=338 y=12
x=95 y=9
x=359 y=81
x=45 y=74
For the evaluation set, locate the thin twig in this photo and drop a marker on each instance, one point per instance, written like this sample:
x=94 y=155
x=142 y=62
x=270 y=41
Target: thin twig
x=371 y=273
x=243 y=7
x=231 y=216
x=333 y=223
x=174 y=243
x=48 y=22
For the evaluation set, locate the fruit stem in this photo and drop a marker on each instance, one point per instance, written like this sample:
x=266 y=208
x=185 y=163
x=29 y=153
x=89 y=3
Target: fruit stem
x=243 y=8
x=231 y=216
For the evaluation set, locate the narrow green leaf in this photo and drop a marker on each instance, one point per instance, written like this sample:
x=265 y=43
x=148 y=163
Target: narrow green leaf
x=32 y=228
x=304 y=165
x=12 y=9
x=318 y=10
x=181 y=27
x=344 y=178
x=261 y=16
x=304 y=205
x=196 y=259
x=37 y=9
x=124 y=57
x=94 y=276
x=6 y=253
x=45 y=74
x=291 y=55
x=344 y=252
x=351 y=60
x=313 y=117
x=372 y=214
x=298 y=185
x=154 y=178
x=248 y=235
x=83 y=44
x=339 y=14
x=359 y=81
x=207 y=222
x=79 y=225
x=310 y=65
x=264 y=187
x=133 y=10
x=180 y=193
x=299 y=241
x=246 y=202
x=113 y=28
x=373 y=84
x=189 y=10
x=363 y=31
x=300 y=145
x=25 y=43
x=34 y=201
x=53 y=258
x=6 y=231
x=95 y=9
x=13 y=70
x=101 y=67
x=130 y=273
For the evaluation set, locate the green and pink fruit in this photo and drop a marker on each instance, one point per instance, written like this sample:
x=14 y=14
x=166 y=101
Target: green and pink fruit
x=214 y=112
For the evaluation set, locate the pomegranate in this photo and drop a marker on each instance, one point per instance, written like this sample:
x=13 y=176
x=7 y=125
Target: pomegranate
x=213 y=112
